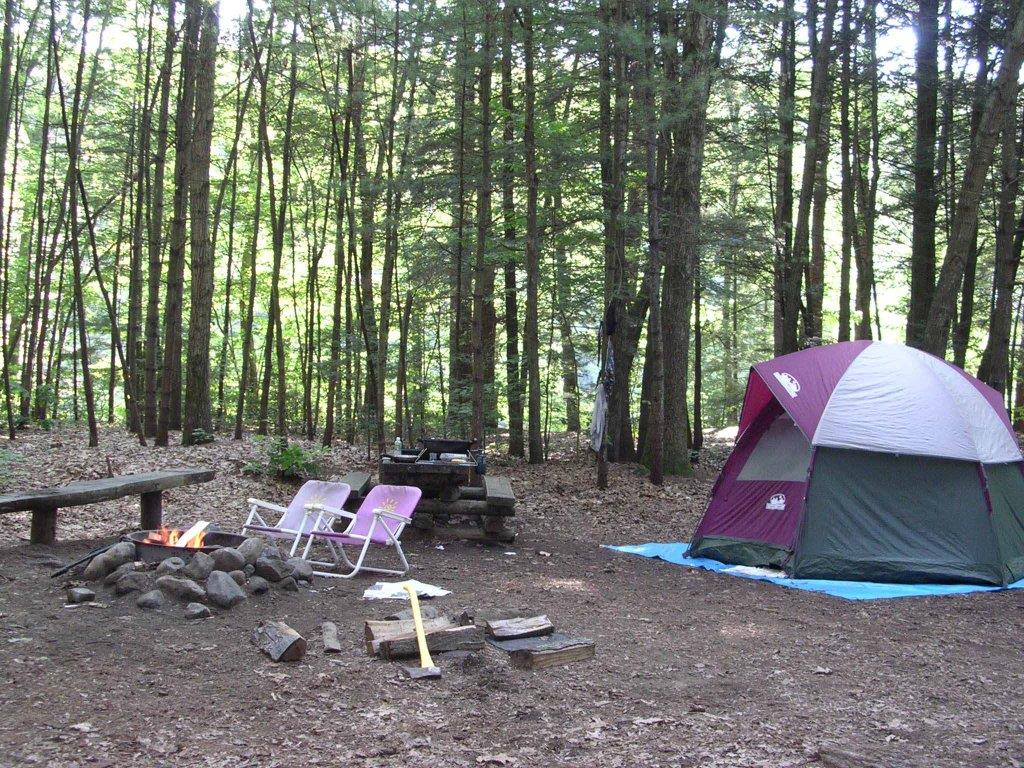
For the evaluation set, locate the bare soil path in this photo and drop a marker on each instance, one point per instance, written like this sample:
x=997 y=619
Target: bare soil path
x=692 y=668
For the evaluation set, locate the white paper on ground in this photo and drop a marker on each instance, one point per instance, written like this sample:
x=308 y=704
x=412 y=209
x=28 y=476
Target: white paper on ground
x=392 y=590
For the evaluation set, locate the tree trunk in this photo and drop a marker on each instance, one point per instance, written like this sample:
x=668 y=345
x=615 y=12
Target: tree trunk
x=691 y=83
x=976 y=169
x=152 y=362
x=922 y=257
x=514 y=393
x=995 y=364
x=783 y=265
x=817 y=122
x=170 y=383
x=655 y=436
x=848 y=212
x=74 y=144
x=198 y=411
x=531 y=346
x=481 y=280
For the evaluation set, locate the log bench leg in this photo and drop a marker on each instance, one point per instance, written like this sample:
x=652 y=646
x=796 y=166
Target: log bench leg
x=494 y=525
x=44 y=526
x=151 y=510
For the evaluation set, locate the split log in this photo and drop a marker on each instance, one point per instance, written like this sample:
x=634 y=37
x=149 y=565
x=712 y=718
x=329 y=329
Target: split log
x=330 y=633
x=376 y=632
x=279 y=641
x=438 y=641
x=542 y=652
x=516 y=628
x=426 y=612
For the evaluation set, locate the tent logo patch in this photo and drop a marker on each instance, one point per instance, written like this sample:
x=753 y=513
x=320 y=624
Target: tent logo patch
x=777 y=502
x=788 y=382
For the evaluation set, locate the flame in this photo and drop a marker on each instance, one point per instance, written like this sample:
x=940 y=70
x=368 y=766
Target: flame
x=168 y=537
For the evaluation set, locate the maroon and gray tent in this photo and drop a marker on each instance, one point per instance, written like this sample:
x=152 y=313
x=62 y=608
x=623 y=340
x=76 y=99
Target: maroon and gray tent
x=871 y=462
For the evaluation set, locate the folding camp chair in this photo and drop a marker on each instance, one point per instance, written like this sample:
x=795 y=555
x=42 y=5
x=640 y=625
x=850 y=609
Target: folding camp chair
x=380 y=520
x=296 y=520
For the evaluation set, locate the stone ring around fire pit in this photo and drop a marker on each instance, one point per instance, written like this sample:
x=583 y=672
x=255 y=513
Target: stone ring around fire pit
x=149 y=551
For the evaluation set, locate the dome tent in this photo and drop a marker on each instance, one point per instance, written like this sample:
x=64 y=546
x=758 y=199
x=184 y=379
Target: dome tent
x=869 y=461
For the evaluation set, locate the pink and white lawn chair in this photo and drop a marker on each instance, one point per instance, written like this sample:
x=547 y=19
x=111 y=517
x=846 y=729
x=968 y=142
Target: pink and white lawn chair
x=380 y=519
x=296 y=519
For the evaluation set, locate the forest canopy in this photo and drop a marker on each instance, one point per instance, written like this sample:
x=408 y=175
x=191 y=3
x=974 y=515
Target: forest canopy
x=361 y=220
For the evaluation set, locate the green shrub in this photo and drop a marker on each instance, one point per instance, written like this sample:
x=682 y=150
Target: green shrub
x=287 y=461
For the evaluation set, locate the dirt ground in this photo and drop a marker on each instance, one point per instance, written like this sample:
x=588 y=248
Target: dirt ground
x=692 y=668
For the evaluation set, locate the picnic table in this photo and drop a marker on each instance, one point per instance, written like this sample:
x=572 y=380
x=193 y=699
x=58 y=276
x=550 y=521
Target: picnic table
x=43 y=503
x=490 y=500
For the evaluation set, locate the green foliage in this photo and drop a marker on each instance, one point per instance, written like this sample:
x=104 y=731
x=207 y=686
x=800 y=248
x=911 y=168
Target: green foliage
x=201 y=437
x=286 y=461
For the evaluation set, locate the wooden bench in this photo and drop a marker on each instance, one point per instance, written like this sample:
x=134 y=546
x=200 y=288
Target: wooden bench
x=44 y=502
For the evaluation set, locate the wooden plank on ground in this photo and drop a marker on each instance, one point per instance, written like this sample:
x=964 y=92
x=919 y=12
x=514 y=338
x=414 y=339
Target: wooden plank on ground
x=521 y=627
x=102 y=489
x=499 y=492
x=542 y=652
x=470 y=638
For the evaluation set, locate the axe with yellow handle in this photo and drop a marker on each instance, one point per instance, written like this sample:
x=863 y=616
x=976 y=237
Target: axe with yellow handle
x=426 y=667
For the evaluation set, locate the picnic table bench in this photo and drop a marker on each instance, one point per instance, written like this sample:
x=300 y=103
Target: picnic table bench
x=43 y=503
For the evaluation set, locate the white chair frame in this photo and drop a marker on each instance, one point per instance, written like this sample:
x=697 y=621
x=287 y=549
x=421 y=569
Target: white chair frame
x=255 y=518
x=326 y=515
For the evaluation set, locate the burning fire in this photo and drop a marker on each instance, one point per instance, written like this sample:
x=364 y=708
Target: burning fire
x=169 y=537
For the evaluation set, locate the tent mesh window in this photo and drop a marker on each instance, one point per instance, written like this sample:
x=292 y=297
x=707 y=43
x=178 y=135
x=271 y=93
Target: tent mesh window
x=782 y=453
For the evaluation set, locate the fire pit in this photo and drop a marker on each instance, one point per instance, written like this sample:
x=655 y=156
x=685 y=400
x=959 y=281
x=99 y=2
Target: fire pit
x=154 y=546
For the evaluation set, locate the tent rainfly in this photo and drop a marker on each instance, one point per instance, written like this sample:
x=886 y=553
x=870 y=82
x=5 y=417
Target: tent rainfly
x=868 y=461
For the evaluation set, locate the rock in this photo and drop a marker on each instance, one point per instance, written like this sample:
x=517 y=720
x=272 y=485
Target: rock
x=199 y=566
x=78 y=595
x=271 y=550
x=258 y=585
x=132 y=582
x=223 y=591
x=249 y=570
x=239 y=577
x=122 y=570
x=150 y=600
x=272 y=568
x=251 y=549
x=228 y=559
x=170 y=566
x=288 y=584
x=119 y=554
x=182 y=588
x=197 y=611
x=301 y=569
